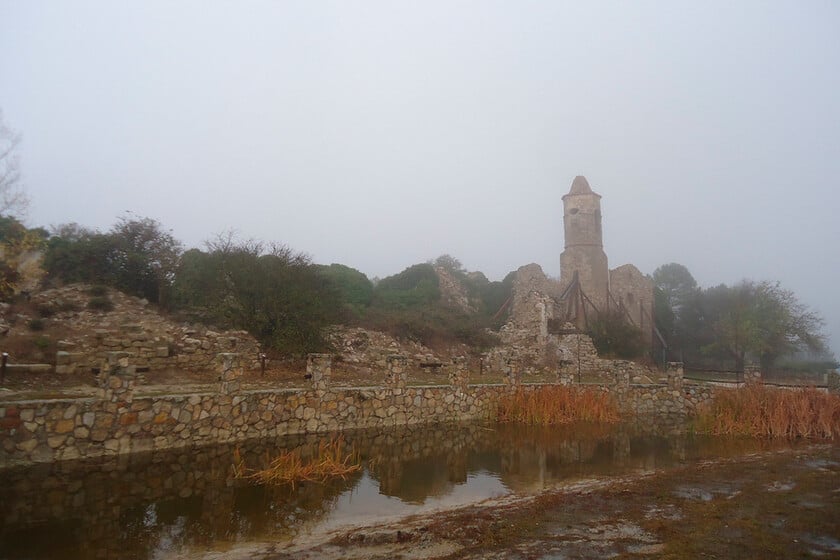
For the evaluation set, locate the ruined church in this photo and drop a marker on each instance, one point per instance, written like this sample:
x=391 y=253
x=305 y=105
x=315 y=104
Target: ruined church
x=544 y=309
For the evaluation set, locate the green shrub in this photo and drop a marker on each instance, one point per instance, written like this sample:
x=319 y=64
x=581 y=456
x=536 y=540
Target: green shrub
x=36 y=325
x=100 y=303
x=416 y=286
x=42 y=342
x=46 y=311
x=98 y=291
x=614 y=336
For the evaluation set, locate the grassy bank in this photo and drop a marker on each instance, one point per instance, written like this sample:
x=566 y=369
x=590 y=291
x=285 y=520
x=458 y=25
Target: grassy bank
x=759 y=411
x=558 y=405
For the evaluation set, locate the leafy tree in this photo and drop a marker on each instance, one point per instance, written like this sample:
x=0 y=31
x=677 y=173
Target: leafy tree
x=758 y=320
x=136 y=256
x=143 y=258
x=12 y=198
x=785 y=325
x=269 y=290
x=676 y=283
x=354 y=288
x=415 y=286
x=494 y=295
x=451 y=264
x=675 y=292
x=408 y=305
x=612 y=335
x=78 y=254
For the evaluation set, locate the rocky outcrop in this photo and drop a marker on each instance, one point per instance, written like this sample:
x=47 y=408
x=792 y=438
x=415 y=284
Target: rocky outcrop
x=370 y=349
x=452 y=291
x=129 y=324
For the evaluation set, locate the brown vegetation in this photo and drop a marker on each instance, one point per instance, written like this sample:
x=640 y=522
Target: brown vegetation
x=558 y=405
x=330 y=461
x=760 y=411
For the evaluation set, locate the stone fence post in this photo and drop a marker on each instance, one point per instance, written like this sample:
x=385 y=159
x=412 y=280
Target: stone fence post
x=230 y=373
x=675 y=375
x=459 y=375
x=752 y=375
x=832 y=381
x=397 y=374
x=622 y=377
x=565 y=377
x=319 y=370
x=510 y=372
x=117 y=378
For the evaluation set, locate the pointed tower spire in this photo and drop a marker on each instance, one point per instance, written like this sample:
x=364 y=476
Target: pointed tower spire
x=580 y=186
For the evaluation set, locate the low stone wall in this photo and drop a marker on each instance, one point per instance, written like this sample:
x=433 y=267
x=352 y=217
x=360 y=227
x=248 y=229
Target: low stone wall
x=41 y=431
x=119 y=422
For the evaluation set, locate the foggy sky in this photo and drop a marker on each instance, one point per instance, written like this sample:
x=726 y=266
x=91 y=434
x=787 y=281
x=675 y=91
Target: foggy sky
x=382 y=134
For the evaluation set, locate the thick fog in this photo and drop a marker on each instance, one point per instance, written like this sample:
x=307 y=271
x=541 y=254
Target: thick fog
x=382 y=134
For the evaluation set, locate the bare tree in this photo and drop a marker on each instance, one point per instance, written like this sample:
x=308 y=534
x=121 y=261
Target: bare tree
x=13 y=201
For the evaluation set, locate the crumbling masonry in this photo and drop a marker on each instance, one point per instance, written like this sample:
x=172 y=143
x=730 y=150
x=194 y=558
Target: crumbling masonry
x=547 y=317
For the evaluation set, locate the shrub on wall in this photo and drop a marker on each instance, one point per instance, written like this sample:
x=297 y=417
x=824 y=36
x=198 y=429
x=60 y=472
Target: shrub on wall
x=614 y=336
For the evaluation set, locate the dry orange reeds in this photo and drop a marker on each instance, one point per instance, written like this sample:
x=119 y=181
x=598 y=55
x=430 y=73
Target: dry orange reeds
x=331 y=461
x=763 y=411
x=558 y=405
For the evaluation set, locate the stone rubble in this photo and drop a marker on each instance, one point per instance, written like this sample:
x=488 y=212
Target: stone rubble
x=151 y=340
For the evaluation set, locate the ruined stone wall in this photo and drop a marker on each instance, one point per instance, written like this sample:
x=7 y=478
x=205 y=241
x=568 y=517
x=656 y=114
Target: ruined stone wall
x=369 y=350
x=152 y=340
x=634 y=291
x=452 y=291
x=532 y=298
x=185 y=348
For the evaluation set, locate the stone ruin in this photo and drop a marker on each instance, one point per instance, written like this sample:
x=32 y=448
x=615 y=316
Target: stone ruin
x=547 y=317
x=150 y=340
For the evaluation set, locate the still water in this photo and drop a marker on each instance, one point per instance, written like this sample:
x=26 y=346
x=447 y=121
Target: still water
x=165 y=505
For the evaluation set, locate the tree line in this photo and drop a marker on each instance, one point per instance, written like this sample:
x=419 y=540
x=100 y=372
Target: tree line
x=285 y=300
x=277 y=294
x=724 y=327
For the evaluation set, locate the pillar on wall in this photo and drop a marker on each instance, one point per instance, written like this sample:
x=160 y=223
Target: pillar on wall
x=832 y=381
x=459 y=375
x=319 y=370
x=117 y=378
x=565 y=376
x=675 y=374
x=622 y=377
x=230 y=373
x=510 y=371
x=397 y=374
x=752 y=375
x=65 y=362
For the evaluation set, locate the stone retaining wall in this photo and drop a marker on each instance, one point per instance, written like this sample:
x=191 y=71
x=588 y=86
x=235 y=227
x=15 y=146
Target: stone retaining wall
x=119 y=422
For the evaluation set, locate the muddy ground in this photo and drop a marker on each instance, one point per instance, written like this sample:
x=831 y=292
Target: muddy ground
x=772 y=505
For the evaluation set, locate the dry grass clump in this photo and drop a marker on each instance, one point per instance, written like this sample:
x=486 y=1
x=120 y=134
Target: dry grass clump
x=558 y=405
x=760 y=411
x=331 y=461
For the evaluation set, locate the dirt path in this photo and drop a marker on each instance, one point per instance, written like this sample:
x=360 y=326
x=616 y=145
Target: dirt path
x=771 y=505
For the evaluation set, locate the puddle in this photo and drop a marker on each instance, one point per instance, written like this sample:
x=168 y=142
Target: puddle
x=171 y=504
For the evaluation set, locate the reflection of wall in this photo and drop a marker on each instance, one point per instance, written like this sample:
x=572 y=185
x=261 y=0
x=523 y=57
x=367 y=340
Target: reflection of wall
x=122 y=498
x=108 y=502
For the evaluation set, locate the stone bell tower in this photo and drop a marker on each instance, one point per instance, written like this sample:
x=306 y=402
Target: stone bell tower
x=584 y=248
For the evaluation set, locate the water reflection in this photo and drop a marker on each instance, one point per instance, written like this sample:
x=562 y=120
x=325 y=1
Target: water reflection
x=157 y=505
